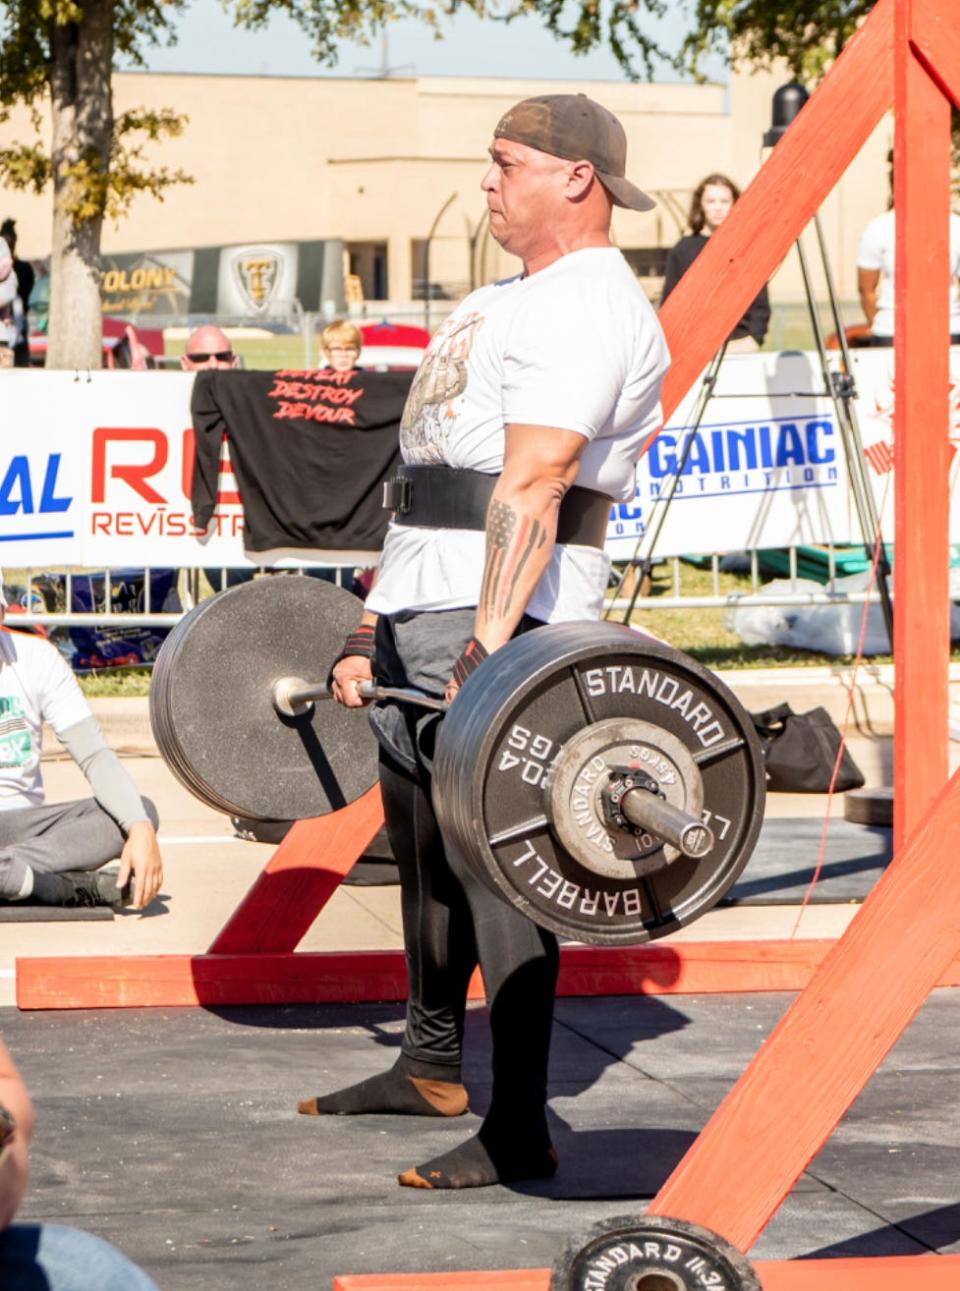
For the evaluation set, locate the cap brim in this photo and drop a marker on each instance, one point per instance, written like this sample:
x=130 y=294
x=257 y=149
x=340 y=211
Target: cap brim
x=626 y=194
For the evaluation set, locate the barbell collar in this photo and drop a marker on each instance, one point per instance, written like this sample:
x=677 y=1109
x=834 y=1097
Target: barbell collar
x=295 y=697
x=662 y=819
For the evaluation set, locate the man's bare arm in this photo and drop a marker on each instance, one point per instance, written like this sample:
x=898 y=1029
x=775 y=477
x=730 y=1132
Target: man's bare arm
x=540 y=464
x=867 y=283
x=14 y=1166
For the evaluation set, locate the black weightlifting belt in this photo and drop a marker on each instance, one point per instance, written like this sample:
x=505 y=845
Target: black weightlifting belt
x=442 y=497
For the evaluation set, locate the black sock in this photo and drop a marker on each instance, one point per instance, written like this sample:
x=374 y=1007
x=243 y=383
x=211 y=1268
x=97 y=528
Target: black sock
x=490 y=1157
x=409 y=1088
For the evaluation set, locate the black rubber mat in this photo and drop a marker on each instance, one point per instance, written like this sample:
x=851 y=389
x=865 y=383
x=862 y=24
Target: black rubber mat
x=785 y=857
x=174 y=1133
x=21 y=912
x=778 y=873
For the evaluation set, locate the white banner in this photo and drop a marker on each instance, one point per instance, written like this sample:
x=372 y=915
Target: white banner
x=95 y=470
x=109 y=458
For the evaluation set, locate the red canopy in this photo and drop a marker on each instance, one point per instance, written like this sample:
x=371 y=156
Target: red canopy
x=386 y=333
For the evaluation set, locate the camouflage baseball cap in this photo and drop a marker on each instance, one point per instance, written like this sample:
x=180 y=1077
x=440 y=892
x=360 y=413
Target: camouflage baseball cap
x=576 y=128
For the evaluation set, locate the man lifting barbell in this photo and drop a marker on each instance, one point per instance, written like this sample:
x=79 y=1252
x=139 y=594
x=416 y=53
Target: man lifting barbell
x=525 y=420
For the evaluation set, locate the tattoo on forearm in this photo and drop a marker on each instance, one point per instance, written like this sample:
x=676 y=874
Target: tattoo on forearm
x=511 y=540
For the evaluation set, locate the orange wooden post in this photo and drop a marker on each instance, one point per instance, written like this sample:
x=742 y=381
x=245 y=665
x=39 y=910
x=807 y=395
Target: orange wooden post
x=921 y=624
x=833 y=1037
x=300 y=878
x=829 y=1042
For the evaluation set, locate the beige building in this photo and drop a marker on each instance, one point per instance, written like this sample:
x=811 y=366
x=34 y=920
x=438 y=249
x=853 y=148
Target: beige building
x=374 y=162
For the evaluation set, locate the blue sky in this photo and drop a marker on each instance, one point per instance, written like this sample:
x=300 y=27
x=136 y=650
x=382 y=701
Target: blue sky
x=208 y=42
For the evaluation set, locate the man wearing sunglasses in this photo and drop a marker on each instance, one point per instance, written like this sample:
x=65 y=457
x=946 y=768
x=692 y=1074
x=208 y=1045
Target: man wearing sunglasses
x=208 y=347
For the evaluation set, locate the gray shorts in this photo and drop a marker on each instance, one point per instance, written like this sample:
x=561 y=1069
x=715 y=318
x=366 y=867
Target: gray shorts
x=419 y=649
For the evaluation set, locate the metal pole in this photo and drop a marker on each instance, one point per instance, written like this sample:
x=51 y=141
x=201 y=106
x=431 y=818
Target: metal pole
x=840 y=394
x=426 y=258
x=644 y=566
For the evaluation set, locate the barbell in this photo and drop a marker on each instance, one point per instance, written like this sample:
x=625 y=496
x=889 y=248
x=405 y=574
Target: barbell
x=603 y=783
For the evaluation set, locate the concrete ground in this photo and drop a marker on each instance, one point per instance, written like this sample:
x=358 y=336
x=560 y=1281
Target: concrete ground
x=172 y=1132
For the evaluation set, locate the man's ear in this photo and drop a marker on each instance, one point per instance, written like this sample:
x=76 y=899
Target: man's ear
x=580 y=177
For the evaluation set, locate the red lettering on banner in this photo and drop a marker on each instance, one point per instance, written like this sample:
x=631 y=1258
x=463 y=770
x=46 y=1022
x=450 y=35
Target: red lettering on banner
x=135 y=475
x=331 y=378
x=225 y=497
x=163 y=524
x=318 y=412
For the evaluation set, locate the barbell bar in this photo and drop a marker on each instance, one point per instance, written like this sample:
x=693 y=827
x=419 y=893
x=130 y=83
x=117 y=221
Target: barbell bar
x=294 y=697
x=604 y=784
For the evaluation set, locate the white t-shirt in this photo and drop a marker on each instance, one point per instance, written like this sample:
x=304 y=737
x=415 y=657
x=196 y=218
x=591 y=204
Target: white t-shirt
x=577 y=346
x=878 y=251
x=36 y=686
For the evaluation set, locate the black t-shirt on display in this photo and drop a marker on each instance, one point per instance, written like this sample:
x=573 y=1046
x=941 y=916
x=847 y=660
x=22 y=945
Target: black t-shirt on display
x=310 y=452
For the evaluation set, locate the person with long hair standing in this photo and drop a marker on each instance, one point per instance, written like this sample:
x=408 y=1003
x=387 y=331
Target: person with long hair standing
x=712 y=202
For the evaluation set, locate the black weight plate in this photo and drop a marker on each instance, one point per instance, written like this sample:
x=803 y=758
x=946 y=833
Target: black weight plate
x=504 y=730
x=212 y=711
x=631 y=1253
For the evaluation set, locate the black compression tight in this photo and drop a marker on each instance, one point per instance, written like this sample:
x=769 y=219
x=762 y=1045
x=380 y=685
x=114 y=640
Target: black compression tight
x=451 y=921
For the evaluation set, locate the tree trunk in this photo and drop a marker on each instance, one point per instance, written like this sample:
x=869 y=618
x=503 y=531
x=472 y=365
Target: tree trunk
x=82 y=106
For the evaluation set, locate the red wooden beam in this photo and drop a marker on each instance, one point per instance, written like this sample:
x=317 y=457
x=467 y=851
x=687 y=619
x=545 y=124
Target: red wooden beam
x=739 y=258
x=935 y=38
x=916 y=1272
x=921 y=627
x=830 y=1041
x=300 y=878
x=364 y=976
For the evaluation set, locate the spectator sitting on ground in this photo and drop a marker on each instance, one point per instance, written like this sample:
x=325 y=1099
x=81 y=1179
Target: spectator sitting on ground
x=26 y=279
x=712 y=202
x=340 y=346
x=208 y=347
x=46 y=1255
x=52 y=854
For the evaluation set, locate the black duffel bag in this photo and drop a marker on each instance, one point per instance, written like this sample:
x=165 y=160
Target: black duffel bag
x=800 y=749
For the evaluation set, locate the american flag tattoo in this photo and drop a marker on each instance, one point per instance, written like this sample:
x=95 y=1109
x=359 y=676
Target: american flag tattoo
x=511 y=538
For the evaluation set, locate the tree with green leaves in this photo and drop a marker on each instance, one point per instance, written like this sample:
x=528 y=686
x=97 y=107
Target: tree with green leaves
x=807 y=35
x=59 y=54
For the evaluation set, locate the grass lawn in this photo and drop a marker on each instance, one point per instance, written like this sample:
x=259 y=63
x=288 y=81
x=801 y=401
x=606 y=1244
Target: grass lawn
x=702 y=633
x=263 y=353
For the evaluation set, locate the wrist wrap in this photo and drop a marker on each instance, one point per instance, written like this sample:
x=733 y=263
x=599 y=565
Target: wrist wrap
x=471 y=657
x=361 y=641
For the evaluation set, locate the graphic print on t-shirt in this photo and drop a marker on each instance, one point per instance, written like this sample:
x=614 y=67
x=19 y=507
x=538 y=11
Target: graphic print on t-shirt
x=16 y=739
x=442 y=378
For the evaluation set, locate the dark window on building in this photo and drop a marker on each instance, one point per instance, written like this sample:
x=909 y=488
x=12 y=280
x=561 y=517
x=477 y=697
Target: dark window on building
x=646 y=262
x=368 y=263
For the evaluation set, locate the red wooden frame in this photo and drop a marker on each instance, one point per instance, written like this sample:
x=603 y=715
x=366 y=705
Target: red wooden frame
x=894 y=1274
x=861 y=998
x=906 y=937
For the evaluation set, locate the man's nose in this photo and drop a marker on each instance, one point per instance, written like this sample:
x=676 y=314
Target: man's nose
x=489 y=181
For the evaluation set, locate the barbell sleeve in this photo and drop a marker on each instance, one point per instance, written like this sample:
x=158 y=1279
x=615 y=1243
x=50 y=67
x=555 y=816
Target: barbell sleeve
x=293 y=696
x=662 y=819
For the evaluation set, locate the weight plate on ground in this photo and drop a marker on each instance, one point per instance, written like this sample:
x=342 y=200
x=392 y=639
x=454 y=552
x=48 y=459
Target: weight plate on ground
x=503 y=739
x=211 y=705
x=631 y=1253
